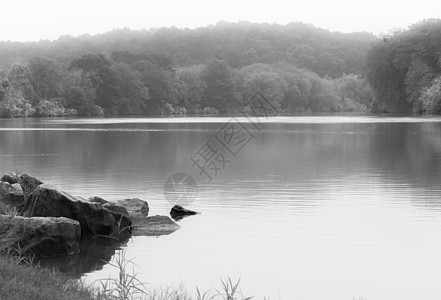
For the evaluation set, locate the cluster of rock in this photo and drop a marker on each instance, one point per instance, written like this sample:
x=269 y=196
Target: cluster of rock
x=39 y=219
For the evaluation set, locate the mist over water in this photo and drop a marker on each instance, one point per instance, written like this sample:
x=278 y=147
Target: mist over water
x=318 y=207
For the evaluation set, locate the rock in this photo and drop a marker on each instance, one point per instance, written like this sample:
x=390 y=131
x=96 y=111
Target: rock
x=11 y=195
x=178 y=212
x=98 y=200
x=47 y=201
x=18 y=187
x=119 y=212
x=10 y=178
x=154 y=226
x=29 y=184
x=122 y=218
x=44 y=237
x=137 y=208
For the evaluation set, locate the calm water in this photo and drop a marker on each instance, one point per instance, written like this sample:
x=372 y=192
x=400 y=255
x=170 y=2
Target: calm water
x=311 y=208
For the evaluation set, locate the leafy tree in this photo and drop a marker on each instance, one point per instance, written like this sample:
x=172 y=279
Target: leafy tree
x=134 y=95
x=354 y=89
x=159 y=84
x=418 y=78
x=103 y=79
x=77 y=98
x=52 y=108
x=47 y=78
x=13 y=104
x=193 y=87
x=323 y=97
x=431 y=98
x=90 y=63
x=107 y=92
x=4 y=84
x=402 y=66
x=265 y=79
x=20 y=78
x=386 y=80
x=220 y=91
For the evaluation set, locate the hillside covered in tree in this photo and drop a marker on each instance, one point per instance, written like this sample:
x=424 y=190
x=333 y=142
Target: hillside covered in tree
x=212 y=69
x=404 y=70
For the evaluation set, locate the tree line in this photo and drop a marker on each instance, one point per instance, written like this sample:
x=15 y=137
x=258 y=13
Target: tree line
x=213 y=69
x=404 y=70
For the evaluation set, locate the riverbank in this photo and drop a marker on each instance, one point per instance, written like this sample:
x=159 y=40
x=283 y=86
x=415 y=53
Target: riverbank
x=22 y=281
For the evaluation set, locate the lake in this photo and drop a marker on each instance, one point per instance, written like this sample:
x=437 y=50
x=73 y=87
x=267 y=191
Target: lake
x=306 y=207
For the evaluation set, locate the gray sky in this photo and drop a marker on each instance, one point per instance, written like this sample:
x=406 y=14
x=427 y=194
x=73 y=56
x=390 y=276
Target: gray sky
x=48 y=19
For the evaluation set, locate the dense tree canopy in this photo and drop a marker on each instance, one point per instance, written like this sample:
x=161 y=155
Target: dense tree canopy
x=239 y=44
x=213 y=69
x=404 y=69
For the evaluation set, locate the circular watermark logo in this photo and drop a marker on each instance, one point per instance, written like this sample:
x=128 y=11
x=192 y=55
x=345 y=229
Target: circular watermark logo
x=180 y=189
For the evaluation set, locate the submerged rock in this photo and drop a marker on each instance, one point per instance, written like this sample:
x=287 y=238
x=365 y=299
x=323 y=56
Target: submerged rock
x=178 y=212
x=137 y=208
x=11 y=195
x=44 y=237
x=47 y=201
x=154 y=226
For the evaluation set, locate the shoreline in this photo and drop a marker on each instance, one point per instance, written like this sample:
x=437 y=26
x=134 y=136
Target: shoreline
x=21 y=279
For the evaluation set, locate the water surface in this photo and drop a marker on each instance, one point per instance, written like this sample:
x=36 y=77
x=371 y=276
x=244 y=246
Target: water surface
x=313 y=207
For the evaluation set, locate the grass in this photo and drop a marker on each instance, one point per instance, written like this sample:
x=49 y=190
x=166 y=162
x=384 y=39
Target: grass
x=21 y=279
x=128 y=287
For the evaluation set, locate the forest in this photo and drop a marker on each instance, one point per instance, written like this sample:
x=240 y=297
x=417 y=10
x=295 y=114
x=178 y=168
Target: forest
x=404 y=70
x=215 y=69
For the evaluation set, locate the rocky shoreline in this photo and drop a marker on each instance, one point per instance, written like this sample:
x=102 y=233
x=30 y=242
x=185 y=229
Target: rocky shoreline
x=39 y=219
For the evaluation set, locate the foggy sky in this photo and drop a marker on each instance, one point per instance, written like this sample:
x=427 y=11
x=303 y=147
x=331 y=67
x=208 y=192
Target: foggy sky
x=48 y=19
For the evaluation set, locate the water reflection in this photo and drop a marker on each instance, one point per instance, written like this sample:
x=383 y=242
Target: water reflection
x=94 y=255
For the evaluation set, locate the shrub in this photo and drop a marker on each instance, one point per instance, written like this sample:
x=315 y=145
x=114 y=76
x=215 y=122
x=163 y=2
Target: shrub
x=431 y=98
x=210 y=111
x=53 y=108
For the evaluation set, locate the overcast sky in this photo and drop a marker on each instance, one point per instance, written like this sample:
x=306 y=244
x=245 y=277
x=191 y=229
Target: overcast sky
x=48 y=19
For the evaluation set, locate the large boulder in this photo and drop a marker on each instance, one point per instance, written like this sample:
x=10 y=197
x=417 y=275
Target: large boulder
x=119 y=212
x=44 y=237
x=122 y=218
x=28 y=183
x=154 y=226
x=47 y=201
x=178 y=212
x=10 y=178
x=11 y=195
x=137 y=208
